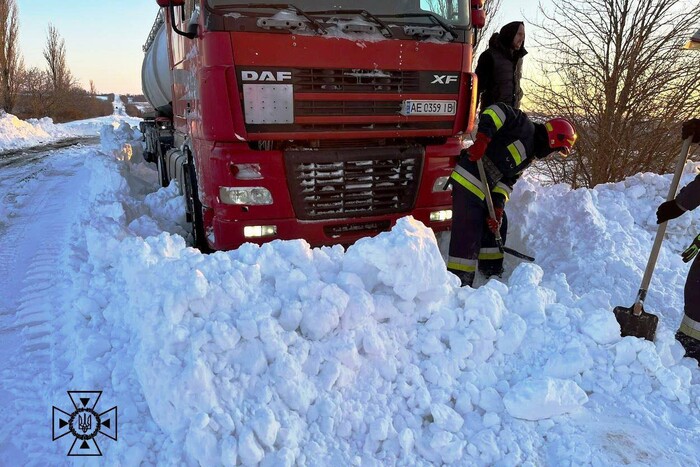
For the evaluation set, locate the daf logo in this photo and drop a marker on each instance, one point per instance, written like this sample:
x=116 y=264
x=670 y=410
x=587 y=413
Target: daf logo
x=444 y=79
x=274 y=76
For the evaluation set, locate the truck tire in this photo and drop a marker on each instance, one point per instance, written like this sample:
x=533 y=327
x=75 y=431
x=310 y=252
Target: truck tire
x=194 y=206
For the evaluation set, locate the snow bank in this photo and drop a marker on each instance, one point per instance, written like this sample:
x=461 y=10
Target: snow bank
x=282 y=354
x=18 y=134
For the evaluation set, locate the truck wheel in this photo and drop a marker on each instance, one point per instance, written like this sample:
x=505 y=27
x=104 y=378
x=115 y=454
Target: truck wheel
x=194 y=205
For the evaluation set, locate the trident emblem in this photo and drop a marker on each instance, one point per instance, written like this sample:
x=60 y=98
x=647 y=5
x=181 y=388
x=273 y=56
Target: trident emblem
x=85 y=423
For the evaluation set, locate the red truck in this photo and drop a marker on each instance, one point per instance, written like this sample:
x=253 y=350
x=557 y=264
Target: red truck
x=322 y=120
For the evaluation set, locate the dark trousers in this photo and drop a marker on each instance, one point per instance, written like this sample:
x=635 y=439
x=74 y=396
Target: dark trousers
x=690 y=326
x=472 y=242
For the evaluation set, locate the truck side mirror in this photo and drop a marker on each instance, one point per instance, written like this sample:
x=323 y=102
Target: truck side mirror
x=192 y=30
x=478 y=14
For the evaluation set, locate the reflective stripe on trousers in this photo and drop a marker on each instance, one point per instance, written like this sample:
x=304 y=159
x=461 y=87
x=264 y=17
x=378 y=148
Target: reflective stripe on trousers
x=690 y=326
x=472 y=244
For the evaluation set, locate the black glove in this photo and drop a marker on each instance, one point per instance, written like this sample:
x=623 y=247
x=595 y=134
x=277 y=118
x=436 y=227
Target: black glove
x=692 y=250
x=668 y=210
x=691 y=128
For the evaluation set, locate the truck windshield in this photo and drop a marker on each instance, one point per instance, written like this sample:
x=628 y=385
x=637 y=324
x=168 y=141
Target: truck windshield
x=452 y=12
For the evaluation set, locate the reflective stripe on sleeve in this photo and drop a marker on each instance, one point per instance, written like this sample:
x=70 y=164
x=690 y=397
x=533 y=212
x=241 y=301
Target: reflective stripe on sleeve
x=517 y=150
x=468 y=181
x=690 y=327
x=496 y=114
x=461 y=264
x=503 y=189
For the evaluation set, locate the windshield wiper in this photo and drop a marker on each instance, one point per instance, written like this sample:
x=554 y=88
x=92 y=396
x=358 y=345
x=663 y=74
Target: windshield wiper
x=369 y=17
x=318 y=27
x=435 y=18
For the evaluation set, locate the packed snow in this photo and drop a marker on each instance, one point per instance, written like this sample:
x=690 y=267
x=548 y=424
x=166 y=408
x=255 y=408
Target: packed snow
x=283 y=354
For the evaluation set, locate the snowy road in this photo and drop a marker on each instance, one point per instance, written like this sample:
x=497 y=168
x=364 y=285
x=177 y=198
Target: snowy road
x=38 y=202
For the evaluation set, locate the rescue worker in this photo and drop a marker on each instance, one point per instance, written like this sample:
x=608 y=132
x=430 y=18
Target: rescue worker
x=688 y=199
x=509 y=142
x=499 y=68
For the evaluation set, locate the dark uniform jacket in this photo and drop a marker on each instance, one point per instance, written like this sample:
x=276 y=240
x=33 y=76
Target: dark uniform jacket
x=689 y=196
x=515 y=143
x=499 y=70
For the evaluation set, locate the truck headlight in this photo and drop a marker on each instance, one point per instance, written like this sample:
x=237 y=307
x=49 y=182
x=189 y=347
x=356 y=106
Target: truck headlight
x=252 y=231
x=439 y=184
x=254 y=195
x=441 y=216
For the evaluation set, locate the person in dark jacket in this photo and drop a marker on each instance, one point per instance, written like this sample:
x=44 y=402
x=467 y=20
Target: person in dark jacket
x=499 y=68
x=688 y=199
x=508 y=141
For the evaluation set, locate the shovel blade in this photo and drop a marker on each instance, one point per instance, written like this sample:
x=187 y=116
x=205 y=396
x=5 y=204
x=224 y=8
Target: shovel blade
x=643 y=325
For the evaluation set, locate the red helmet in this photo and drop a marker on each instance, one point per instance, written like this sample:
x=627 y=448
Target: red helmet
x=561 y=135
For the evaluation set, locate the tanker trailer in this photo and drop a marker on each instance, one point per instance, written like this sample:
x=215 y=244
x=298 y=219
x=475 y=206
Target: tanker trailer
x=325 y=120
x=156 y=83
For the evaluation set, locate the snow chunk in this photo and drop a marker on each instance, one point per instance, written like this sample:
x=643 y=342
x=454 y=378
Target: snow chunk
x=602 y=327
x=538 y=399
x=407 y=260
x=446 y=418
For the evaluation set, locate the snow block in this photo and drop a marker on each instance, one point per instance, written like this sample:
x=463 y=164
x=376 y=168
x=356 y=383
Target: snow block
x=539 y=399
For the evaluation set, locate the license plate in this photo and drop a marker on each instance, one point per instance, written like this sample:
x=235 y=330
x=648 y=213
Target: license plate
x=412 y=107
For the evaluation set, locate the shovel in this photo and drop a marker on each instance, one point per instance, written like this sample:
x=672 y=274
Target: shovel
x=634 y=321
x=492 y=214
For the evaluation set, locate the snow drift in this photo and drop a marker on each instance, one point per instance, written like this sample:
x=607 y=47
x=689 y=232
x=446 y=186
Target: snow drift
x=283 y=354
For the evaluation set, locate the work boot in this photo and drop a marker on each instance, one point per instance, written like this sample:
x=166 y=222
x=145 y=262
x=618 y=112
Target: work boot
x=492 y=272
x=467 y=278
x=691 y=345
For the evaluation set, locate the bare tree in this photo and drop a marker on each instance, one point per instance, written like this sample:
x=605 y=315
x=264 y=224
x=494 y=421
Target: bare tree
x=617 y=69
x=11 y=64
x=37 y=92
x=93 y=89
x=55 y=55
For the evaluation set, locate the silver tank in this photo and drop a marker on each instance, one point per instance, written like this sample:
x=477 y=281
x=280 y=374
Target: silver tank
x=156 y=80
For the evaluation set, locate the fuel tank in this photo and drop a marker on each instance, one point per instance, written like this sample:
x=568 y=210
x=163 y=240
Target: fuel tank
x=156 y=77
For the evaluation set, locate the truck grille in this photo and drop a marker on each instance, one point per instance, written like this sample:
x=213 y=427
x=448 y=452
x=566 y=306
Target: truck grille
x=325 y=108
x=349 y=80
x=331 y=184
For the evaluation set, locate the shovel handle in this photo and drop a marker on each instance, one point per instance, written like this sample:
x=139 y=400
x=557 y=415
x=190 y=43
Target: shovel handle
x=646 y=280
x=489 y=200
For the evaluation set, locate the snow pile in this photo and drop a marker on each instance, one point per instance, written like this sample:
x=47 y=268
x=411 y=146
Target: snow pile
x=601 y=238
x=16 y=133
x=282 y=354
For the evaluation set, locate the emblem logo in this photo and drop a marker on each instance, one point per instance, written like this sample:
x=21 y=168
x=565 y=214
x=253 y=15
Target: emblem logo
x=84 y=423
x=266 y=76
x=444 y=79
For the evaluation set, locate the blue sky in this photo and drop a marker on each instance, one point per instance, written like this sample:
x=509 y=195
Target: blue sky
x=104 y=37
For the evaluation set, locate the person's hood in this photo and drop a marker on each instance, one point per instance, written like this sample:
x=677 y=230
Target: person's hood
x=503 y=40
x=508 y=32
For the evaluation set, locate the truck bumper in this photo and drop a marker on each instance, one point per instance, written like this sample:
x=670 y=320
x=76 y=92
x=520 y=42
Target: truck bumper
x=227 y=235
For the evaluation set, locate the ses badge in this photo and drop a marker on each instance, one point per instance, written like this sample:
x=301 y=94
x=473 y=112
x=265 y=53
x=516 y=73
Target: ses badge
x=84 y=423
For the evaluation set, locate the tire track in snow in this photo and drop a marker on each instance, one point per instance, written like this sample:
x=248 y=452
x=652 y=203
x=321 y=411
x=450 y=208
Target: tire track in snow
x=43 y=206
